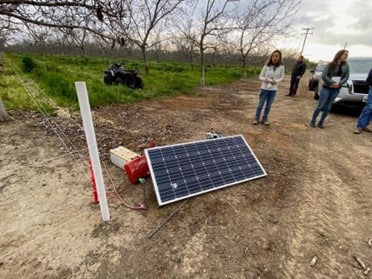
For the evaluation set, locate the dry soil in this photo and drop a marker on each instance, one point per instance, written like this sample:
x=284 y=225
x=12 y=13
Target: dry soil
x=310 y=217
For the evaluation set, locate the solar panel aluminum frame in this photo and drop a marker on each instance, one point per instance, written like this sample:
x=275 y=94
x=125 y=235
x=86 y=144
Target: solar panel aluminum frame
x=188 y=169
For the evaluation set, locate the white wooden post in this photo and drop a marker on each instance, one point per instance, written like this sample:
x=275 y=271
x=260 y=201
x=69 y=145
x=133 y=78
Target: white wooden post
x=92 y=146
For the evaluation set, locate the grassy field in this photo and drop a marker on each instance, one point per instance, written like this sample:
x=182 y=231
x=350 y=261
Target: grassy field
x=32 y=81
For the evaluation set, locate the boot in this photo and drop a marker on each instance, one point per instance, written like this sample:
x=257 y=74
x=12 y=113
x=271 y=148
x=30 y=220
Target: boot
x=265 y=121
x=357 y=131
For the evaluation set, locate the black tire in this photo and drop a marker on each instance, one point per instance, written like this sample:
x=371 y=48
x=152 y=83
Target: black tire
x=120 y=80
x=310 y=85
x=107 y=79
x=313 y=85
x=316 y=92
x=138 y=82
x=130 y=81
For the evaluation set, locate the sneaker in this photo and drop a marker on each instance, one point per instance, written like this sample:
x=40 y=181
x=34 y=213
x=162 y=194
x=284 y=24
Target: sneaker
x=255 y=122
x=320 y=125
x=265 y=122
x=366 y=129
x=312 y=124
x=357 y=131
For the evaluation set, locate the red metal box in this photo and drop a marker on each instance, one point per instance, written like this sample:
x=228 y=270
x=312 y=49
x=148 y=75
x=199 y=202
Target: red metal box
x=137 y=168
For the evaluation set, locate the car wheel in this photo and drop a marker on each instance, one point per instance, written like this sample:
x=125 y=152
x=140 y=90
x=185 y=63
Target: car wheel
x=316 y=93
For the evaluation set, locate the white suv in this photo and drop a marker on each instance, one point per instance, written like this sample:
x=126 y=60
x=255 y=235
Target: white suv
x=355 y=91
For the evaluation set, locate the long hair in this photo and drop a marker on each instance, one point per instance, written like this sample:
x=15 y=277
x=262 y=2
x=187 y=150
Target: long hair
x=280 y=62
x=337 y=57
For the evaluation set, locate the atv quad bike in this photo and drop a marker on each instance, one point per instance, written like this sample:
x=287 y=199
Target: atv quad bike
x=115 y=75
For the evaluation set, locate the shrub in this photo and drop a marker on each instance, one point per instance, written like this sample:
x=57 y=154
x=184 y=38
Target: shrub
x=28 y=64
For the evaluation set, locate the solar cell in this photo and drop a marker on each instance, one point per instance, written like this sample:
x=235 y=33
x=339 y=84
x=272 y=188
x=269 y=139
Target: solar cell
x=185 y=170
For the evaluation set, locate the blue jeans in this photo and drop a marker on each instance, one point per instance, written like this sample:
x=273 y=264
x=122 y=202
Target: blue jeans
x=268 y=97
x=366 y=114
x=326 y=98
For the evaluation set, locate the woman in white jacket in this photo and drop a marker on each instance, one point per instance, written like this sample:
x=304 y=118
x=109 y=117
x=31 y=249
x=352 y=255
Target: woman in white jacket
x=271 y=74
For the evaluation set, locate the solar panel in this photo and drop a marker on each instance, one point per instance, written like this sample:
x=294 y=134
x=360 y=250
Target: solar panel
x=185 y=170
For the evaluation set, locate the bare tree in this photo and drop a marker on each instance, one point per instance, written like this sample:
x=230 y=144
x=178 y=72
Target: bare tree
x=74 y=37
x=212 y=22
x=185 y=35
x=136 y=22
x=46 y=13
x=258 y=22
x=18 y=15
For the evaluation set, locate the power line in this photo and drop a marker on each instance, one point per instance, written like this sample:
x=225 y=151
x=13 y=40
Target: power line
x=345 y=45
x=307 y=32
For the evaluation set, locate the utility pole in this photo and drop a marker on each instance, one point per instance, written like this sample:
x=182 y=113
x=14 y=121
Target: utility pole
x=307 y=30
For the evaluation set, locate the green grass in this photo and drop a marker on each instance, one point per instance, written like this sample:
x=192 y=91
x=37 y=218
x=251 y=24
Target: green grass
x=13 y=89
x=52 y=78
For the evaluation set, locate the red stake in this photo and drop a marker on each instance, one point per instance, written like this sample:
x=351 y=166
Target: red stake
x=93 y=183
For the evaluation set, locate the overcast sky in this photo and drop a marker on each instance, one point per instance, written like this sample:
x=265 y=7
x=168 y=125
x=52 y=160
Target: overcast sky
x=333 y=25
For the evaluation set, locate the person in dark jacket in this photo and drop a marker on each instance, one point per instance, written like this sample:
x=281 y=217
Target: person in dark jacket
x=366 y=114
x=335 y=74
x=298 y=71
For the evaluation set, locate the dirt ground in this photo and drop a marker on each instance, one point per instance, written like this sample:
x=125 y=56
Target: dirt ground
x=310 y=217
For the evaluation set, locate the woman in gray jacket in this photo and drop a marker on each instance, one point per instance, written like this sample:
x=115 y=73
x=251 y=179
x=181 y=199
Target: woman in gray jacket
x=335 y=74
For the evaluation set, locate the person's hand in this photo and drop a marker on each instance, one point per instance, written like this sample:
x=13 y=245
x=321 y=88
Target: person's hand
x=335 y=85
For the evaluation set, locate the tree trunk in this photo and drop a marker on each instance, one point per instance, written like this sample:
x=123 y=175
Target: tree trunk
x=145 y=61
x=244 y=67
x=4 y=116
x=202 y=66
